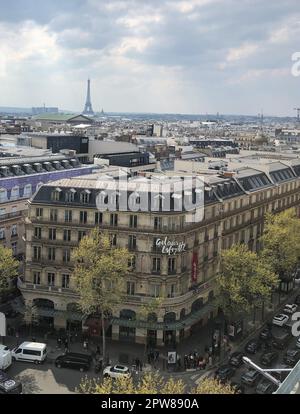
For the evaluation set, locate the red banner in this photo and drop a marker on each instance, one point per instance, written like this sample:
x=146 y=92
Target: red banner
x=194 y=267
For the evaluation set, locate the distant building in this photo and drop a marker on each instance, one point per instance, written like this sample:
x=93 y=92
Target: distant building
x=57 y=119
x=44 y=110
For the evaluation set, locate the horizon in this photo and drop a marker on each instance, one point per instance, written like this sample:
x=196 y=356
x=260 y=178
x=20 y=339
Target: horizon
x=179 y=57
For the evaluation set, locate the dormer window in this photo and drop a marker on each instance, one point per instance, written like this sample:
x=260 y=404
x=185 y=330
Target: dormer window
x=70 y=195
x=55 y=195
x=85 y=197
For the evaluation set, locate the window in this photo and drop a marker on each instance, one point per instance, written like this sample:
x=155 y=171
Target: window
x=67 y=235
x=66 y=255
x=156 y=265
x=171 y=291
x=2 y=234
x=172 y=265
x=65 y=281
x=157 y=223
x=37 y=253
x=113 y=240
x=2 y=210
x=68 y=216
x=114 y=220
x=3 y=195
x=70 y=195
x=51 y=253
x=15 y=193
x=98 y=218
x=155 y=291
x=81 y=235
x=133 y=222
x=51 y=279
x=53 y=215
x=14 y=247
x=130 y=288
x=37 y=278
x=132 y=242
x=14 y=230
x=39 y=212
x=52 y=234
x=131 y=262
x=38 y=232
x=85 y=197
x=55 y=195
x=83 y=217
x=27 y=191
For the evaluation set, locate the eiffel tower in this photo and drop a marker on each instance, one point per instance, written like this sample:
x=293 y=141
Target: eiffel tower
x=88 y=109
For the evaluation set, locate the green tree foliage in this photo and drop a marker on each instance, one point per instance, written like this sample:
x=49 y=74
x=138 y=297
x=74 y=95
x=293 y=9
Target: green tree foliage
x=8 y=268
x=99 y=275
x=151 y=383
x=281 y=243
x=245 y=281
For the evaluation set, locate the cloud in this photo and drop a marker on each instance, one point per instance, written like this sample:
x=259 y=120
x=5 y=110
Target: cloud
x=158 y=55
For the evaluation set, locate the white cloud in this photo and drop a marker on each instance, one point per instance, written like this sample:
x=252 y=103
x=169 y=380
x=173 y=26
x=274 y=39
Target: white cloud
x=242 y=52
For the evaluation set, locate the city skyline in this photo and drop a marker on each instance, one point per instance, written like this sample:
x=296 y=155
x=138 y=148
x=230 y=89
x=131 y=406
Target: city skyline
x=189 y=57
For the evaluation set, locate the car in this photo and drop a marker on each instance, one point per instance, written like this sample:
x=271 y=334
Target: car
x=224 y=373
x=251 y=377
x=268 y=358
x=77 y=361
x=240 y=389
x=116 y=371
x=253 y=346
x=290 y=309
x=291 y=357
x=88 y=357
x=265 y=387
x=281 y=338
x=265 y=334
x=298 y=342
x=8 y=385
x=236 y=359
x=297 y=300
x=280 y=320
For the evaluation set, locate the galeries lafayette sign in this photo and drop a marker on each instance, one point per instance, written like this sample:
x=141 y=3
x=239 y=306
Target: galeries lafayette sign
x=170 y=247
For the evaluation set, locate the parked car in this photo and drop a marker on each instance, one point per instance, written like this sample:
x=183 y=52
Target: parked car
x=251 y=377
x=240 y=389
x=268 y=358
x=5 y=357
x=281 y=338
x=291 y=357
x=116 y=371
x=224 y=373
x=265 y=334
x=236 y=359
x=290 y=309
x=265 y=387
x=297 y=300
x=8 y=385
x=280 y=320
x=298 y=342
x=253 y=346
x=73 y=361
x=30 y=352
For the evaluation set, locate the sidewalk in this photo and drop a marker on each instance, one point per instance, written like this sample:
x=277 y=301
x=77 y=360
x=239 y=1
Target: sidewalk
x=127 y=353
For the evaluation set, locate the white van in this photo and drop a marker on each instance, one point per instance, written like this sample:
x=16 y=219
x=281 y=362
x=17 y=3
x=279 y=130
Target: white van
x=31 y=352
x=5 y=357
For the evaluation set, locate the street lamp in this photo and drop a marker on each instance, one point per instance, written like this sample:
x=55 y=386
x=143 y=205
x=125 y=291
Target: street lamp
x=265 y=372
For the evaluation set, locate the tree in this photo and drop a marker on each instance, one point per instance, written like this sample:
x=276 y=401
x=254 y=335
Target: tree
x=281 y=243
x=213 y=386
x=99 y=274
x=8 y=268
x=151 y=383
x=245 y=281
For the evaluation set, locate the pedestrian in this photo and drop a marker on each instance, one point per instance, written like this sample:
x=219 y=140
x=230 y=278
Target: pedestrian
x=210 y=361
x=85 y=344
x=156 y=355
x=59 y=342
x=98 y=352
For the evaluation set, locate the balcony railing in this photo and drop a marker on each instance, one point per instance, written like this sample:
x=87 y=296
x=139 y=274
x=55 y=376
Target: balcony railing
x=13 y=215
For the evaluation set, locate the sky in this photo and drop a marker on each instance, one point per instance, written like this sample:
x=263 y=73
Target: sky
x=161 y=56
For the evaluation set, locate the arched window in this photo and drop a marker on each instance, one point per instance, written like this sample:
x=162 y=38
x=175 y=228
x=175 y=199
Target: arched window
x=55 y=195
x=70 y=195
